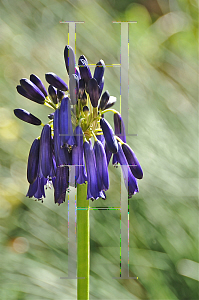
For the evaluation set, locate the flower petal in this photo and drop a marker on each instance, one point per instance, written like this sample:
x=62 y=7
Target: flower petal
x=104 y=100
x=61 y=154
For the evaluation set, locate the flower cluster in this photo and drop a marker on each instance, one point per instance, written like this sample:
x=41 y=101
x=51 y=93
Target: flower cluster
x=77 y=133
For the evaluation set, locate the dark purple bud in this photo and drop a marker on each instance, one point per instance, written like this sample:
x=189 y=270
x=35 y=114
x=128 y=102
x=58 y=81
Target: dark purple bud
x=56 y=81
x=129 y=180
x=74 y=88
x=93 y=90
x=104 y=100
x=32 y=90
x=53 y=93
x=119 y=127
x=99 y=71
x=61 y=154
x=84 y=69
x=109 y=136
x=27 y=117
x=61 y=184
x=45 y=153
x=66 y=130
x=22 y=92
x=60 y=95
x=101 y=86
x=132 y=161
x=93 y=191
x=101 y=165
x=69 y=57
x=51 y=116
x=37 y=81
x=33 y=161
x=111 y=102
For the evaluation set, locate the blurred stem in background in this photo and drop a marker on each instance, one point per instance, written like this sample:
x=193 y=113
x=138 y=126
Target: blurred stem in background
x=83 y=242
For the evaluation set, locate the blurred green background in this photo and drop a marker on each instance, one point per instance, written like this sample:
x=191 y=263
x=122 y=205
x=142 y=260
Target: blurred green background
x=162 y=111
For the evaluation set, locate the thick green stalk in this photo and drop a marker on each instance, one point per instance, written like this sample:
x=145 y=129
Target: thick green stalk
x=83 y=243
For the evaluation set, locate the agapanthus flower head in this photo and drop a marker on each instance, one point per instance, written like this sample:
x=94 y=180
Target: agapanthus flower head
x=77 y=143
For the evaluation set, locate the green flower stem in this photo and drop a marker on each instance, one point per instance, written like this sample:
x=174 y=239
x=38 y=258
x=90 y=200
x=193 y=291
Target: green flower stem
x=83 y=242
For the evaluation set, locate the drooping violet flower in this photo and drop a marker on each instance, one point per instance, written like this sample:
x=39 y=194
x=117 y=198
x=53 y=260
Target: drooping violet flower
x=78 y=156
x=66 y=130
x=129 y=180
x=93 y=191
x=132 y=161
x=33 y=161
x=109 y=136
x=101 y=165
x=61 y=184
x=45 y=152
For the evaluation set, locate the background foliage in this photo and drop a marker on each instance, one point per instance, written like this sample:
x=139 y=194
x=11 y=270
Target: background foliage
x=163 y=112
